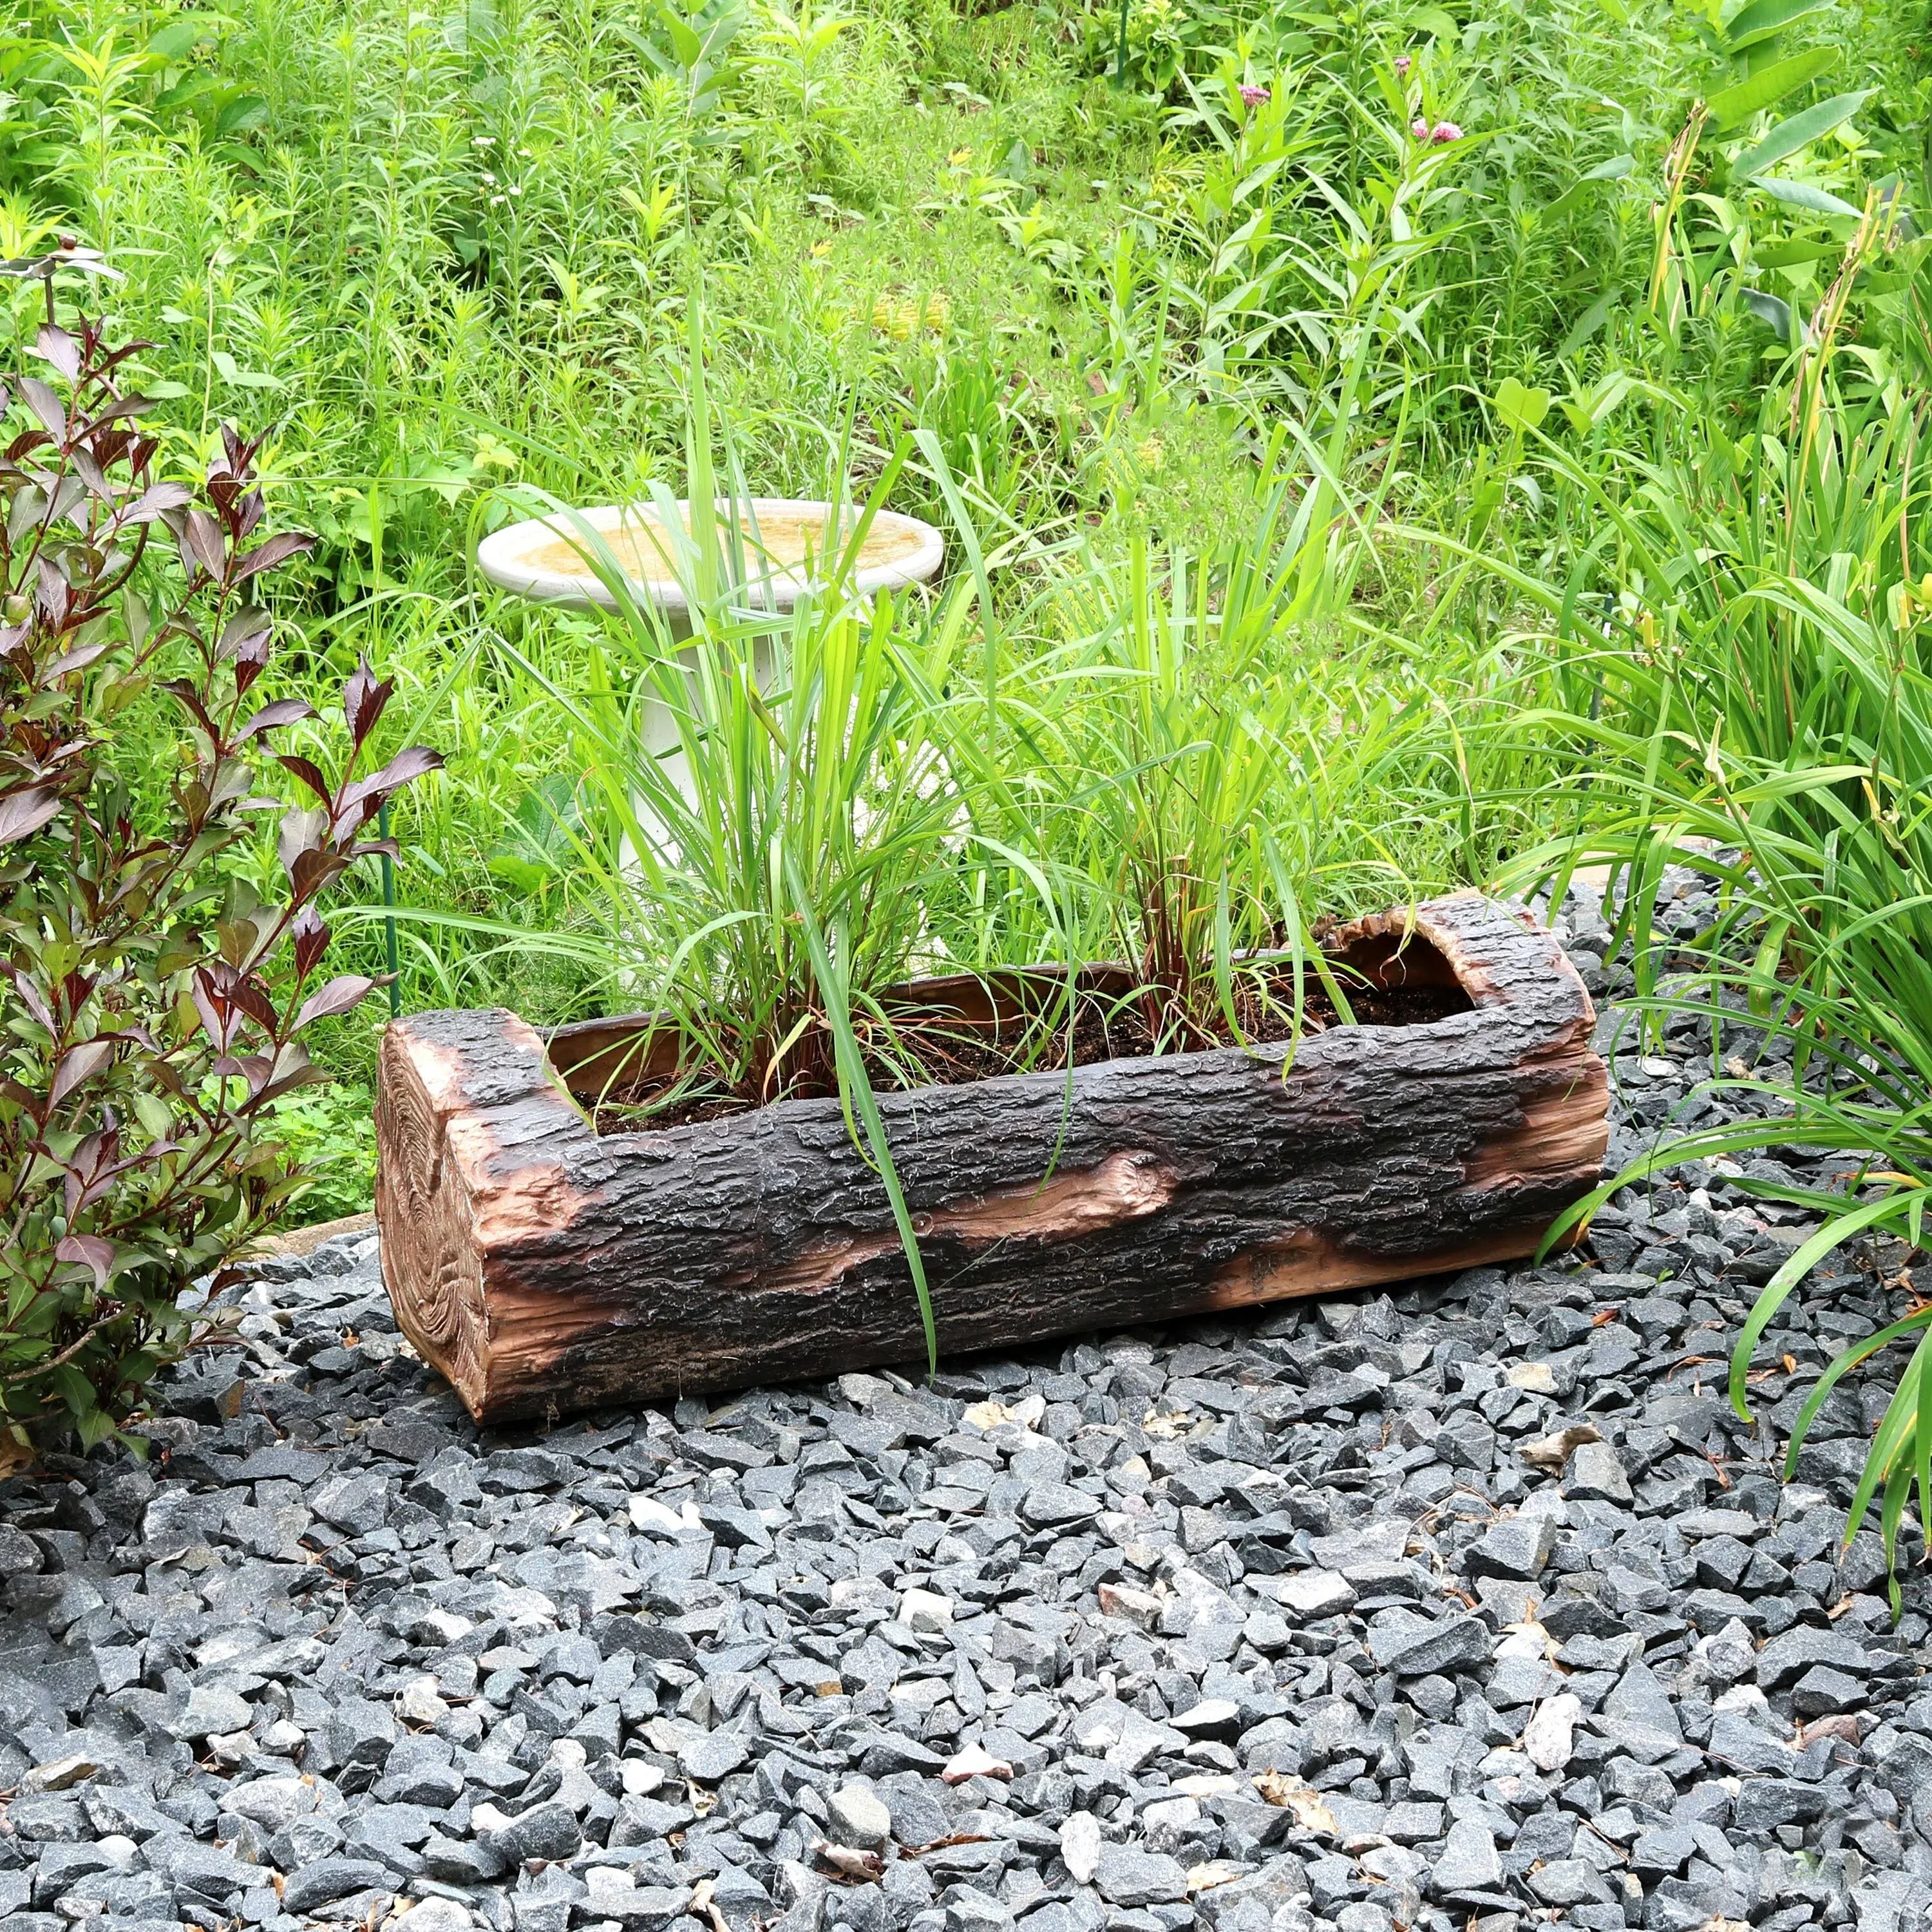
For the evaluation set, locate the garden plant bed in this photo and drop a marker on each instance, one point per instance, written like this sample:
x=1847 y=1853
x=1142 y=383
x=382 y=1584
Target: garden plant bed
x=544 y=1267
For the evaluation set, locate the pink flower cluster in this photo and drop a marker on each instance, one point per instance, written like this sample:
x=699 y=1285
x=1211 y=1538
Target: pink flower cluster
x=1403 y=64
x=1252 y=96
x=1443 y=132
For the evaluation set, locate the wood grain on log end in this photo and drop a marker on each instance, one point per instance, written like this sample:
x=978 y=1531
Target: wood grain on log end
x=462 y=1115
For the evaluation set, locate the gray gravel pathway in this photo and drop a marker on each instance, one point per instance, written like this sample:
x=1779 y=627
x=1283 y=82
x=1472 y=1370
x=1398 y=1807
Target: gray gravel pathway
x=1470 y=1603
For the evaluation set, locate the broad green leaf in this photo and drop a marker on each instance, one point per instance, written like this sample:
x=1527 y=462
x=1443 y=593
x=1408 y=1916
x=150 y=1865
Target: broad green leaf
x=1763 y=18
x=1577 y=192
x=192 y=87
x=1592 y=319
x=1800 y=131
x=1772 y=310
x=246 y=111
x=179 y=36
x=1794 y=254
x=1732 y=106
x=1521 y=408
x=1802 y=194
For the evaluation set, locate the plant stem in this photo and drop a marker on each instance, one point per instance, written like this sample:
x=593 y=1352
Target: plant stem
x=389 y=917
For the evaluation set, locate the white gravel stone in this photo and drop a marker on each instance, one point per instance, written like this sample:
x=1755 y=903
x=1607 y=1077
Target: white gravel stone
x=420 y=1705
x=433 y=1915
x=1315 y=1594
x=859 y=1819
x=1549 y=1738
x=924 y=1610
x=1080 y=1846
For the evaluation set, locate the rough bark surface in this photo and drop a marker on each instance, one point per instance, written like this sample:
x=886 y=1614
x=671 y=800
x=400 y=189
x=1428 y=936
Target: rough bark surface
x=543 y=1268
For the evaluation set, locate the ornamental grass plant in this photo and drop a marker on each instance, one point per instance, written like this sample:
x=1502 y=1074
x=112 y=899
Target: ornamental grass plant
x=1762 y=713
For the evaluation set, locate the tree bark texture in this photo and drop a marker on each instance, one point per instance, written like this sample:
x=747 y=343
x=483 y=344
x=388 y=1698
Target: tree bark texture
x=544 y=1268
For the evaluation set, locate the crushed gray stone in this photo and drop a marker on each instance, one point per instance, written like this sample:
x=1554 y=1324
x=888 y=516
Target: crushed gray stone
x=1265 y=1623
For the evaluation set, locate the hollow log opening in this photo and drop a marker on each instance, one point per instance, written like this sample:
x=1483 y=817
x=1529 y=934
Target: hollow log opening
x=962 y=1028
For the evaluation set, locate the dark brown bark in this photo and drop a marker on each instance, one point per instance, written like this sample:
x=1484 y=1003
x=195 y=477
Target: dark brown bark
x=543 y=1268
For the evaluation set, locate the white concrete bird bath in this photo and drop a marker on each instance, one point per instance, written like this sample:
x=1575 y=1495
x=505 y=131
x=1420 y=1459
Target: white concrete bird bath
x=549 y=559
x=553 y=559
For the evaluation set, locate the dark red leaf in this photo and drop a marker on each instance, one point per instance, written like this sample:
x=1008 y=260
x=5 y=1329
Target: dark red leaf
x=180 y=689
x=154 y=500
x=220 y=1020
x=247 y=627
x=72 y=660
x=311 y=940
x=46 y=405
x=276 y=550
x=303 y=1076
x=255 y=1068
x=297 y=833
x=30 y=996
x=89 y=470
x=311 y=870
x=305 y=770
x=245 y=990
x=77 y=1064
x=51 y=591
x=362 y=702
x=90 y=1251
x=341 y=994
x=23 y=813
x=202 y=538
x=284 y=711
x=57 y=346
x=405 y=766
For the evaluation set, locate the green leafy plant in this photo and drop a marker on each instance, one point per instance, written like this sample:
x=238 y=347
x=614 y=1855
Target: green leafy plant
x=1770 y=726
x=1162 y=709
x=156 y=1003
x=327 y=1132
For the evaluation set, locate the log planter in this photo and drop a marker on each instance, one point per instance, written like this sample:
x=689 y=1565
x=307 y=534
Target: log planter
x=543 y=1268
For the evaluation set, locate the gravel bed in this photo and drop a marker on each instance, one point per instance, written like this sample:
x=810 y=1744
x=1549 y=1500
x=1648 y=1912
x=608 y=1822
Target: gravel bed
x=1471 y=1602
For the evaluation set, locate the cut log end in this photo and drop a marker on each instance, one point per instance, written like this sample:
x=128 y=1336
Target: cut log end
x=430 y=1258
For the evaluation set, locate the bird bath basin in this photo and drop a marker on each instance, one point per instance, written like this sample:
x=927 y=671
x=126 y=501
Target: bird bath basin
x=551 y=560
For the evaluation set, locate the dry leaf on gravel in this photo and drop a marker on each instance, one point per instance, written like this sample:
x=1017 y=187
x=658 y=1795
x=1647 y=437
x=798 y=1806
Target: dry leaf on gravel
x=1311 y=1813
x=1550 y=1452
x=865 y=1867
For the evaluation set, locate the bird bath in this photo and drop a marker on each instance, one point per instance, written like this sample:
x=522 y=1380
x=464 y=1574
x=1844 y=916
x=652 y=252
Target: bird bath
x=554 y=560
x=550 y=558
